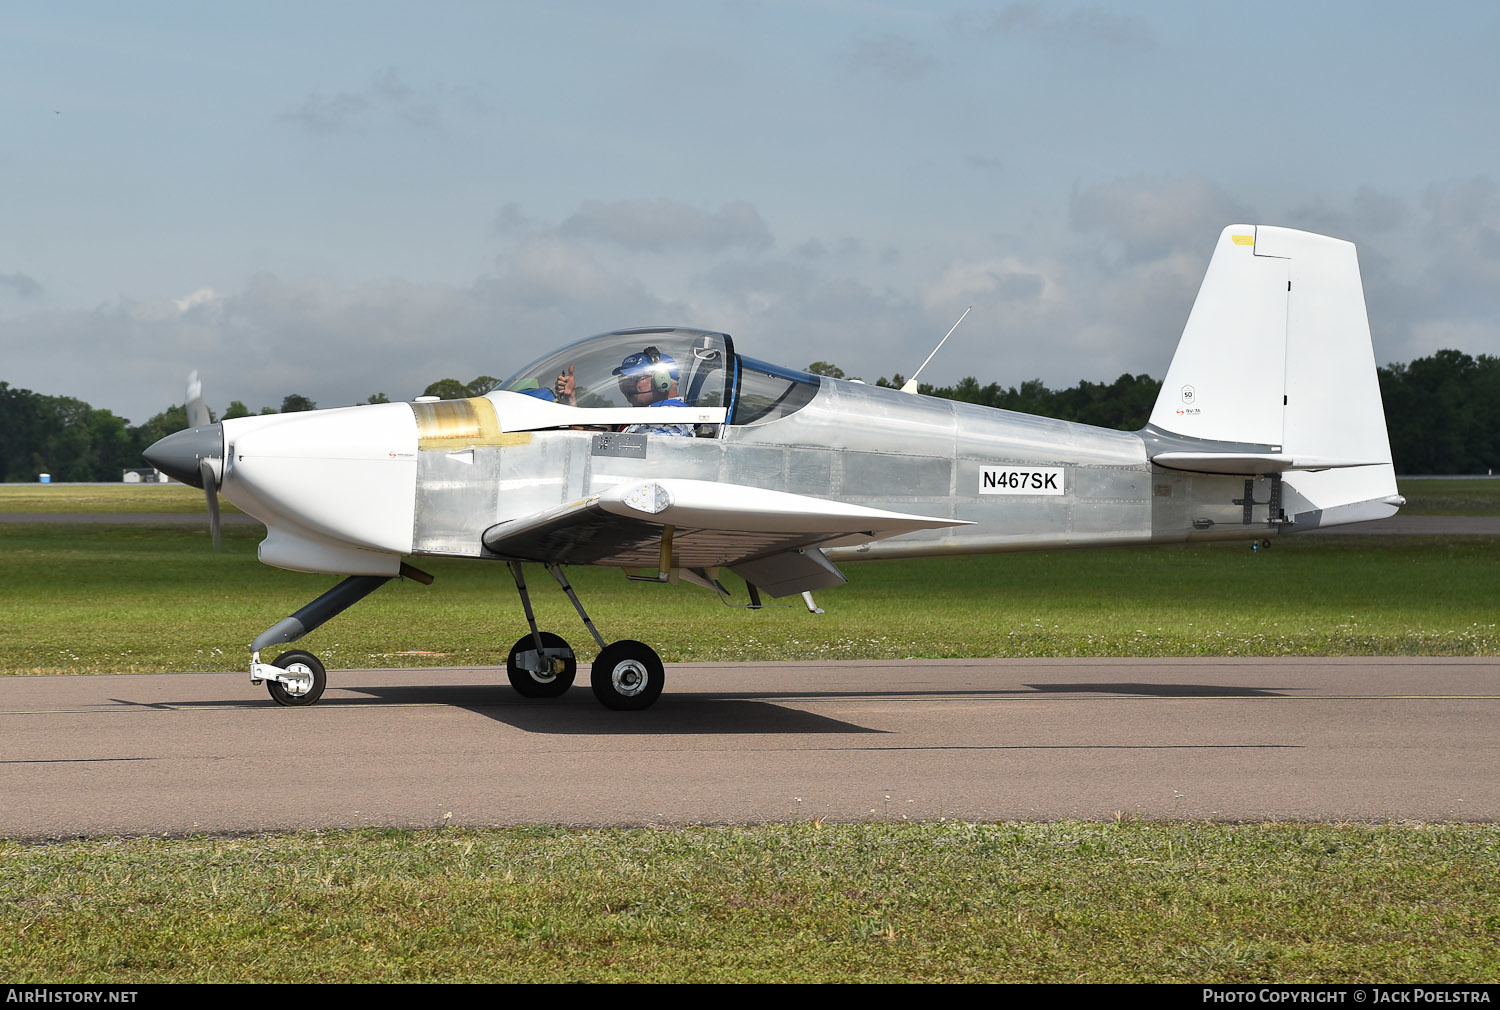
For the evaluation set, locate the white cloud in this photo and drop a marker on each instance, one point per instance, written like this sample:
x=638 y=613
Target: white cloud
x=1081 y=25
x=332 y=342
x=205 y=298
x=510 y=220
x=999 y=280
x=894 y=57
x=1367 y=218
x=664 y=225
x=20 y=284
x=1463 y=232
x=1108 y=294
x=1143 y=218
x=387 y=98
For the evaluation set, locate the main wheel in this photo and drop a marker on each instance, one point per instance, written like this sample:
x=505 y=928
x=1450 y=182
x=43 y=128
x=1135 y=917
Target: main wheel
x=308 y=687
x=627 y=676
x=541 y=685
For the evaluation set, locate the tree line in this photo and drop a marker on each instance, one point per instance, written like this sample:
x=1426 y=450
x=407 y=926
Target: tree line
x=1442 y=413
x=72 y=441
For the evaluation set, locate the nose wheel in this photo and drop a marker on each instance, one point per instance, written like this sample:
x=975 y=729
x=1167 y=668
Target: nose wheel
x=627 y=676
x=303 y=682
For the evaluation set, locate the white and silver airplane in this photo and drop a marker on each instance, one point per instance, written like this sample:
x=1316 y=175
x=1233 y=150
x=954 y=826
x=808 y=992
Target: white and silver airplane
x=1269 y=421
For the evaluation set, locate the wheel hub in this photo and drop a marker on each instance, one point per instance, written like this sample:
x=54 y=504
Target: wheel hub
x=298 y=680
x=543 y=667
x=629 y=678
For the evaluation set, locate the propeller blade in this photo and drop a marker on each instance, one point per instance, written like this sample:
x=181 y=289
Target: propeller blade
x=197 y=410
x=210 y=488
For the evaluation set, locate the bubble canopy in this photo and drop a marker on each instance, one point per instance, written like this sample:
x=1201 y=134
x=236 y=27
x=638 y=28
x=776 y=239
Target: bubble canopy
x=694 y=367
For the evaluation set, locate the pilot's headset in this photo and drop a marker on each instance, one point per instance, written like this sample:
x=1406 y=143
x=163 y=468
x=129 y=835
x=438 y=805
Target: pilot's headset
x=662 y=369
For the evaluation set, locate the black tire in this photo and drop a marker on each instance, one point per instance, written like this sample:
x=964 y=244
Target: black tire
x=627 y=676
x=530 y=685
x=298 y=661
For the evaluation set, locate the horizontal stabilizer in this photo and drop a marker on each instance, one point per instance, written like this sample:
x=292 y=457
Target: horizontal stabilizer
x=1249 y=464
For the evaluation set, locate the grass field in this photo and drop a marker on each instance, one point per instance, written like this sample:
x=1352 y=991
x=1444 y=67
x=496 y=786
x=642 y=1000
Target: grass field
x=1430 y=496
x=134 y=498
x=800 y=902
x=106 y=599
x=1425 y=497
x=950 y=902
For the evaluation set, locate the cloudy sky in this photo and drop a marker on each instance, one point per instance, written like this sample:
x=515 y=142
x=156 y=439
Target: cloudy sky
x=336 y=199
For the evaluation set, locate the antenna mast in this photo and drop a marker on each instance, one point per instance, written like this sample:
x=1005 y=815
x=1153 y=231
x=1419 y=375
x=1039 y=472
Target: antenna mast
x=911 y=384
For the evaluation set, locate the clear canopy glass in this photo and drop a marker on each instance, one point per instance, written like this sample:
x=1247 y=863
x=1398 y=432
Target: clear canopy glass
x=667 y=366
x=694 y=367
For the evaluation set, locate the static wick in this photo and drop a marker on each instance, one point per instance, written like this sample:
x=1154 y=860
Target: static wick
x=911 y=384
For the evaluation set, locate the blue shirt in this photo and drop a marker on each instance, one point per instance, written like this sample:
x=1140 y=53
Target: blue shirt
x=662 y=429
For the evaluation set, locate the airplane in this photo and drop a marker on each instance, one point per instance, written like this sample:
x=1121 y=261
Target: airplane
x=1269 y=421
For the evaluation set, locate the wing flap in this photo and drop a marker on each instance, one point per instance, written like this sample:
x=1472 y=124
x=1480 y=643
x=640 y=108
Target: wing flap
x=791 y=572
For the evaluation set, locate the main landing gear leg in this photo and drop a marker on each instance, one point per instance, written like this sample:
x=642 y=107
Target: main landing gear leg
x=541 y=664
x=297 y=677
x=627 y=675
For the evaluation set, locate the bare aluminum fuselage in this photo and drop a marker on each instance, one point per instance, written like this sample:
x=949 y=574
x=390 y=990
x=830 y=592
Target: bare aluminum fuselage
x=864 y=445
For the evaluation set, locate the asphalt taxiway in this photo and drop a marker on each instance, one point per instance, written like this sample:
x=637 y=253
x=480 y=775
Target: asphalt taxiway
x=1235 y=739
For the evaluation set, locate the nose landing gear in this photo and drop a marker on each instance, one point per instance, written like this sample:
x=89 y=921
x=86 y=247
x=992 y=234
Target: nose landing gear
x=297 y=678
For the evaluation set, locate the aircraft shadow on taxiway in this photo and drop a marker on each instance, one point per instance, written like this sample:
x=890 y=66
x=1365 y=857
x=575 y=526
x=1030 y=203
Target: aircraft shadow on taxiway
x=691 y=713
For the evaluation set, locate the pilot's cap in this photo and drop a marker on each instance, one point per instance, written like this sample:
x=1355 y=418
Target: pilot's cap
x=645 y=363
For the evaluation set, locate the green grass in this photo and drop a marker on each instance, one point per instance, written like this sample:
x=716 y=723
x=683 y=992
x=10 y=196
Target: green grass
x=952 y=902
x=76 y=498
x=1426 y=496
x=803 y=902
x=105 y=599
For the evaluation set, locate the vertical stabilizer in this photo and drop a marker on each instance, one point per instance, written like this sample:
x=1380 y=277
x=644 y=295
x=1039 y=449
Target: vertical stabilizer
x=1275 y=373
x=1226 y=382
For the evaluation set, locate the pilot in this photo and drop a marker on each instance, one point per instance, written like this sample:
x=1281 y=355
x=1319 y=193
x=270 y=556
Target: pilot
x=647 y=379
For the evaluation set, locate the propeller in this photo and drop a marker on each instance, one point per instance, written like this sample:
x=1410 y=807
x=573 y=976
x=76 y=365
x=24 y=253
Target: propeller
x=211 y=490
x=197 y=410
x=195 y=455
x=199 y=417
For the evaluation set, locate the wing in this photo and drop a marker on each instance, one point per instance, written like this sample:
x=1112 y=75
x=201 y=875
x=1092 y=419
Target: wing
x=766 y=536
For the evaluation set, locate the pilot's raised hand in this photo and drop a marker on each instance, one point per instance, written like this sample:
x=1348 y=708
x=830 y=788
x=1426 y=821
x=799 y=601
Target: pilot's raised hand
x=563 y=387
